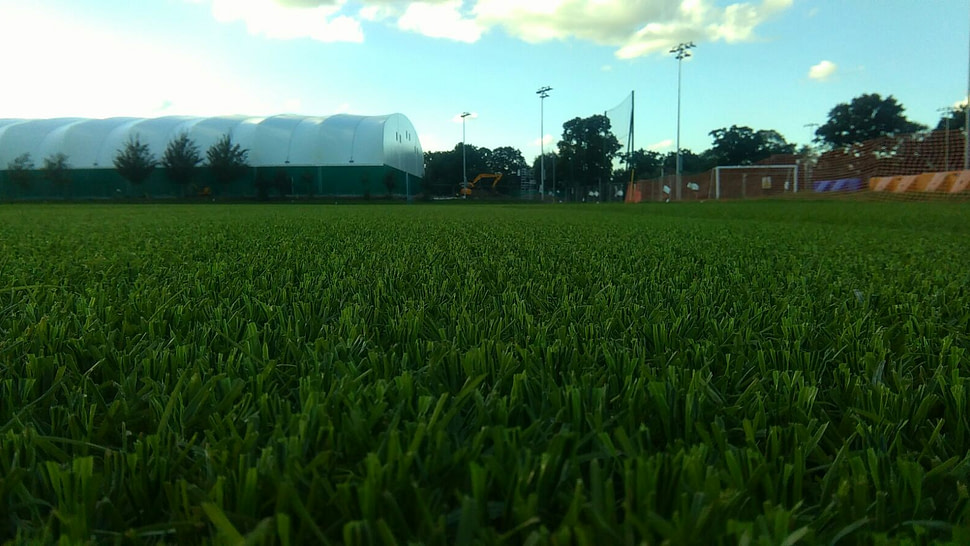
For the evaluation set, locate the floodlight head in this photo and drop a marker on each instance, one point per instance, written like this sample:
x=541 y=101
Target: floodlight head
x=465 y=114
x=681 y=50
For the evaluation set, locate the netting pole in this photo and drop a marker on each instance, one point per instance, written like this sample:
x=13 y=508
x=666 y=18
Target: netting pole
x=966 y=122
x=795 y=185
x=717 y=183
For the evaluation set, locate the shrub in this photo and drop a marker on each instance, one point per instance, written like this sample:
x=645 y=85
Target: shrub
x=55 y=169
x=180 y=158
x=135 y=161
x=20 y=169
x=227 y=161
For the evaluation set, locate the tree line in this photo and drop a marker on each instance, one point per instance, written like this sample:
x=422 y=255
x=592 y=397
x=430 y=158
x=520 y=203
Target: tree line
x=588 y=156
x=135 y=163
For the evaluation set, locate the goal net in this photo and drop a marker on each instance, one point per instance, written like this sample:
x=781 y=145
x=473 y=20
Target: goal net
x=772 y=178
x=752 y=182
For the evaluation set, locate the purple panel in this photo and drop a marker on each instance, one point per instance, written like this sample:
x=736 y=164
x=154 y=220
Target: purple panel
x=855 y=184
x=847 y=184
x=823 y=185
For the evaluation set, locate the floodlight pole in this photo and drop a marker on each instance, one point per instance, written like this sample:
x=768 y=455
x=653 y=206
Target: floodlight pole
x=682 y=53
x=543 y=92
x=966 y=134
x=966 y=124
x=464 y=172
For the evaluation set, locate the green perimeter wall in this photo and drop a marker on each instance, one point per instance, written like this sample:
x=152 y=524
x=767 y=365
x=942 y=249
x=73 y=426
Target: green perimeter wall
x=352 y=182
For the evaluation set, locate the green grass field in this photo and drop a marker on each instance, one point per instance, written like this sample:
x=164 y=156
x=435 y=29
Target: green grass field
x=756 y=373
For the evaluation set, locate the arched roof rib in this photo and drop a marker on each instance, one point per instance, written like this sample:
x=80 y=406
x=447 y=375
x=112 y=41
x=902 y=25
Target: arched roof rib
x=282 y=140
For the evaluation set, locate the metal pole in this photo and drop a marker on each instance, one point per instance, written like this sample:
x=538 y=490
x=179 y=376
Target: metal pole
x=717 y=183
x=966 y=123
x=812 y=127
x=681 y=53
x=679 y=160
x=946 y=153
x=947 y=113
x=543 y=92
x=464 y=172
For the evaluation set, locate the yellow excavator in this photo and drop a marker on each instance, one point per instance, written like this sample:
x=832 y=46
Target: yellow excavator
x=471 y=185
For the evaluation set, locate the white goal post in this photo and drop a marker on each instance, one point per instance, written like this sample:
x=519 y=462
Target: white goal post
x=791 y=183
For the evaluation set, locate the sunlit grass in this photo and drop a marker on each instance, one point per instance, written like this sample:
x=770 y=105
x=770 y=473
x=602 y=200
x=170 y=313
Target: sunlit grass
x=769 y=373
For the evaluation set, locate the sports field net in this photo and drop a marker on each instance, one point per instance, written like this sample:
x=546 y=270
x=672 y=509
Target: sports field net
x=916 y=166
x=621 y=125
x=919 y=166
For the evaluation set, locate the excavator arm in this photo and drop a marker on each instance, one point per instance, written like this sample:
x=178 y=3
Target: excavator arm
x=471 y=185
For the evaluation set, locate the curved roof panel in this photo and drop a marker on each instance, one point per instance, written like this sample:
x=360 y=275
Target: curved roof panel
x=341 y=139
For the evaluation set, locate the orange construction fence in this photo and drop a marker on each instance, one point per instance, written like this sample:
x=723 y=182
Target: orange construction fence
x=942 y=182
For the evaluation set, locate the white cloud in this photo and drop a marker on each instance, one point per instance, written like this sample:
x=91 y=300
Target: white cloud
x=440 y=20
x=547 y=140
x=633 y=27
x=283 y=20
x=822 y=71
x=664 y=144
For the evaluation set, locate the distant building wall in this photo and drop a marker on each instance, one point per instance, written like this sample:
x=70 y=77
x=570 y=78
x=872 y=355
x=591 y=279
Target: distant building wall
x=353 y=182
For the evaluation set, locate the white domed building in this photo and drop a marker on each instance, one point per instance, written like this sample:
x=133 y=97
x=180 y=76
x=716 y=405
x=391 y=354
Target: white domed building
x=341 y=156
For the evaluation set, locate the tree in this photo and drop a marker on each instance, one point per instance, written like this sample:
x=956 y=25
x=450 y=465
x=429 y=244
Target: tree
x=866 y=117
x=55 y=170
x=506 y=160
x=954 y=120
x=439 y=169
x=744 y=145
x=19 y=170
x=443 y=170
x=645 y=164
x=180 y=158
x=477 y=160
x=227 y=161
x=690 y=163
x=134 y=161
x=587 y=150
x=553 y=169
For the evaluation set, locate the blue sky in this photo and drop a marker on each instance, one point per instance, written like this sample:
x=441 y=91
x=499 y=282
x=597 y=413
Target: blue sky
x=767 y=64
